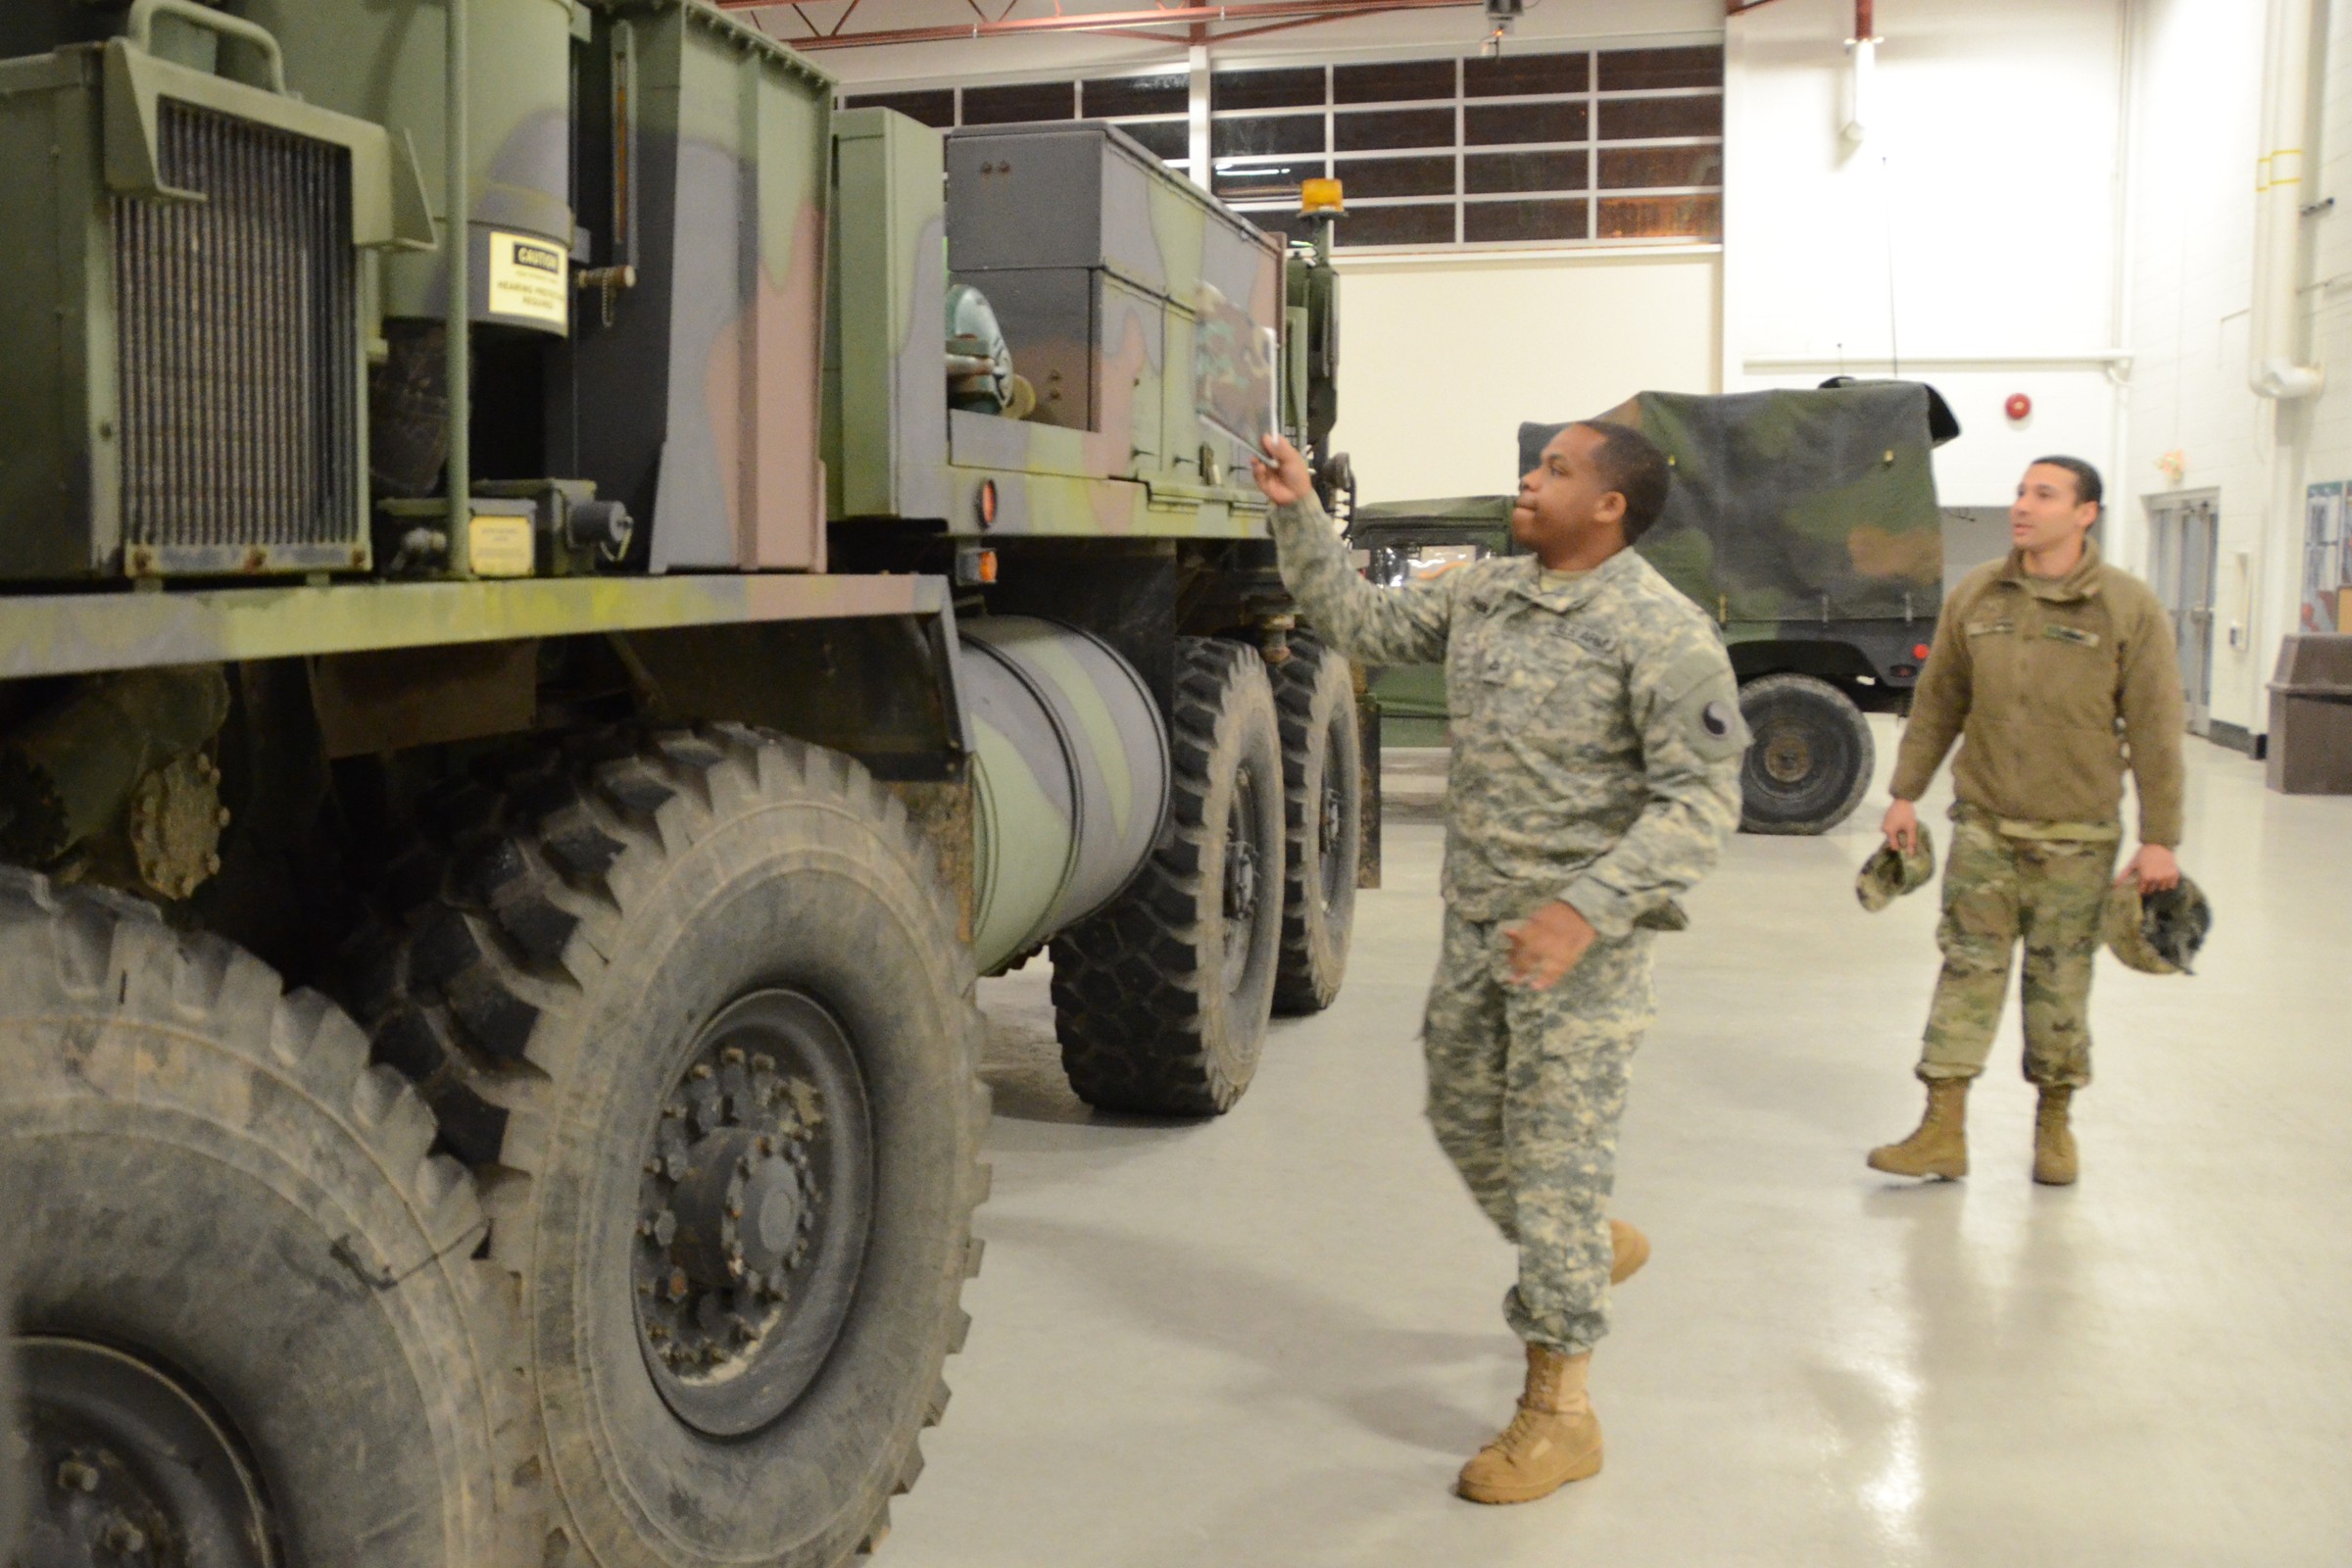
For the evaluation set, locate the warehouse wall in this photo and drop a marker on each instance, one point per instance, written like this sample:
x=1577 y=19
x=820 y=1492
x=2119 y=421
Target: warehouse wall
x=2054 y=199
x=1443 y=357
x=1971 y=235
x=2192 y=244
x=2198 y=99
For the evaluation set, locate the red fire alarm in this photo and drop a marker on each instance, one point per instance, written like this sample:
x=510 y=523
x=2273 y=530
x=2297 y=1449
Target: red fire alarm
x=2018 y=406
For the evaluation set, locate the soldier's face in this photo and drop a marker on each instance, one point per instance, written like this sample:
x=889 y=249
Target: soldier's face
x=2047 y=512
x=1563 y=501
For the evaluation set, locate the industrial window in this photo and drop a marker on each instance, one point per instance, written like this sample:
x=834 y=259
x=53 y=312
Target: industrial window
x=1583 y=147
x=1153 y=109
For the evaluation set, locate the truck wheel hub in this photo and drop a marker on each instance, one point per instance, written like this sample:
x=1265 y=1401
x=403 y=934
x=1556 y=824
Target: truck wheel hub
x=1787 y=756
x=752 y=1210
x=130 y=1468
x=1241 y=881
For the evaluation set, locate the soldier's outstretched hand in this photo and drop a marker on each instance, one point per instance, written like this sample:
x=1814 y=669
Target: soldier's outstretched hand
x=1547 y=945
x=1284 y=479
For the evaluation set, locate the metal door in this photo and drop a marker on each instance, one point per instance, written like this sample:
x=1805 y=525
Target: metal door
x=2186 y=541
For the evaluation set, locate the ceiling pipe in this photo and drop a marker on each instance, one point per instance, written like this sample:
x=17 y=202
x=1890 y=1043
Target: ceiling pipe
x=2273 y=369
x=1279 y=12
x=1862 y=74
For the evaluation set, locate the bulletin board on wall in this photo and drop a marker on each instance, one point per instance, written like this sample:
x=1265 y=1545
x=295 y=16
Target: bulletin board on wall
x=2326 y=559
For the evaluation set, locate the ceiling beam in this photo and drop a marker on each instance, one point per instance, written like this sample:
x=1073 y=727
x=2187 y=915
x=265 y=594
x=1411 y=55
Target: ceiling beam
x=1196 y=21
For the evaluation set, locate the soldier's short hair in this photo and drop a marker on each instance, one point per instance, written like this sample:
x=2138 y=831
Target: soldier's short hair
x=1631 y=465
x=2086 y=477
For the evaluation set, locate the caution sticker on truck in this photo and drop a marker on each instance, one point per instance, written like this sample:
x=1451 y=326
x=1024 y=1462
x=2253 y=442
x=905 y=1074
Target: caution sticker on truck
x=527 y=278
x=499 y=546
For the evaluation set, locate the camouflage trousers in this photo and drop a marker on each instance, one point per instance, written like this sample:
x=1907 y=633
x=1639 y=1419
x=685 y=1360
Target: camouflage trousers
x=1525 y=1092
x=2001 y=888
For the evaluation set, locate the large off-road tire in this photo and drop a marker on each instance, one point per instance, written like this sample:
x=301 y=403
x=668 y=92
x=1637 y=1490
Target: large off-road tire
x=712 y=984
x=1162 y=1000
x=1809 y=765
x=251 y=1316
x=1323 y=806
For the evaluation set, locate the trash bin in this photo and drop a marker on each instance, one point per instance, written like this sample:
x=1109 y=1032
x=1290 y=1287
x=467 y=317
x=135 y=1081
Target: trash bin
x=2310 y=716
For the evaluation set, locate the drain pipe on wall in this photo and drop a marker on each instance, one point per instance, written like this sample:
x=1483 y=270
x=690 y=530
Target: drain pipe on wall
x=2275 y=368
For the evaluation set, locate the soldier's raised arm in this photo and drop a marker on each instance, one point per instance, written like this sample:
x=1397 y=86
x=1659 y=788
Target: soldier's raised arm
x=1684 y=703
x=1371 y=625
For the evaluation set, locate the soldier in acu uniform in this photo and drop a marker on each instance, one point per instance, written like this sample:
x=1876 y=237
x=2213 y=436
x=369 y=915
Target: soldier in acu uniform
x=2055 y=671
x=1595 y=776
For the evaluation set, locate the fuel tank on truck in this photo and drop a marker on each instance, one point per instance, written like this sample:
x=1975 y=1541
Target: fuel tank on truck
x=387 y=62
x=1070 y=778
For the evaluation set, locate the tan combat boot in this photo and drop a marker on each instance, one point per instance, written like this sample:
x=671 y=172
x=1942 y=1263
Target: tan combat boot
x=1553 y=1440
x=1629 y=1249
x=1941 y=1146
x=2054 y=1163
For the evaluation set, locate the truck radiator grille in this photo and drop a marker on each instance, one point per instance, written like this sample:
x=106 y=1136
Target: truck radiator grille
x=240 y=389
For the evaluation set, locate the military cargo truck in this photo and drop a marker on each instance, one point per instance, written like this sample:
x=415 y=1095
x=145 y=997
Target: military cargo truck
x=537 y=662
x=1805 y=522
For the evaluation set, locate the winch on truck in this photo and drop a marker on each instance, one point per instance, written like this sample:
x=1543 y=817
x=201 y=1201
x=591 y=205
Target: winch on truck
x=517 y=736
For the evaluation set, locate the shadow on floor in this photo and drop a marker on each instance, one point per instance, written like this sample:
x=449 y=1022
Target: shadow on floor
x=1304 y=1345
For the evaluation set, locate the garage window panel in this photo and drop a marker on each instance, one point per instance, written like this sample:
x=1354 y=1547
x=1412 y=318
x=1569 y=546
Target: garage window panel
x=1395 y=176
x=1382 y=129
x=1501 y=124
x=1508 y=222
x=1290 y=88
x=1247 y=135
x=1494 y=174
x=1120 y=97
x=1014 y=104
x=1698 y=163
x=1643 y=119
x=1169 y=141
x=1396 y=83
x=1410 y=223
x=1240 y=183
x=1641 y=70
x=934 y=108
x=1661 y=217
x=1527 y=76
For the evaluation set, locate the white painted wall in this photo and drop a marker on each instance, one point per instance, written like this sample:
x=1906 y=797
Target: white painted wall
x=2196 y=94
x=1973 y=234
x=1440 y=359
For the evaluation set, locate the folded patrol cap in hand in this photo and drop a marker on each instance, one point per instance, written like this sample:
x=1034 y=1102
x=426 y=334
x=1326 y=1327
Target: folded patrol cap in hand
x=2160 y=933
x=1889 y=873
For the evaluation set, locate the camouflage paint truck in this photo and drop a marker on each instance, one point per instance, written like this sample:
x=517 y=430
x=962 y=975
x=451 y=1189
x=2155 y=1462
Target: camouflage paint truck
x=1805 y=522
x=517 y=736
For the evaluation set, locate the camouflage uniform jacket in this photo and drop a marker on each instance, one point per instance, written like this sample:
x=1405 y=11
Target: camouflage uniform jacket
x=1596 y=730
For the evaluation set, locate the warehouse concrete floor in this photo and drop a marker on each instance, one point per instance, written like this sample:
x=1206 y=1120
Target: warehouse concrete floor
x=1271 y=1338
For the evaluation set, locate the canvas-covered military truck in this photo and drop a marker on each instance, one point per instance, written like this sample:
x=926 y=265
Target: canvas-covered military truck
x=1805 y=522
x=558 y=601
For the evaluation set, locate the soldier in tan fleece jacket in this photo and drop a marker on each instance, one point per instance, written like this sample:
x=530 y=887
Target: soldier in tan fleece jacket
x=2056 y=673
